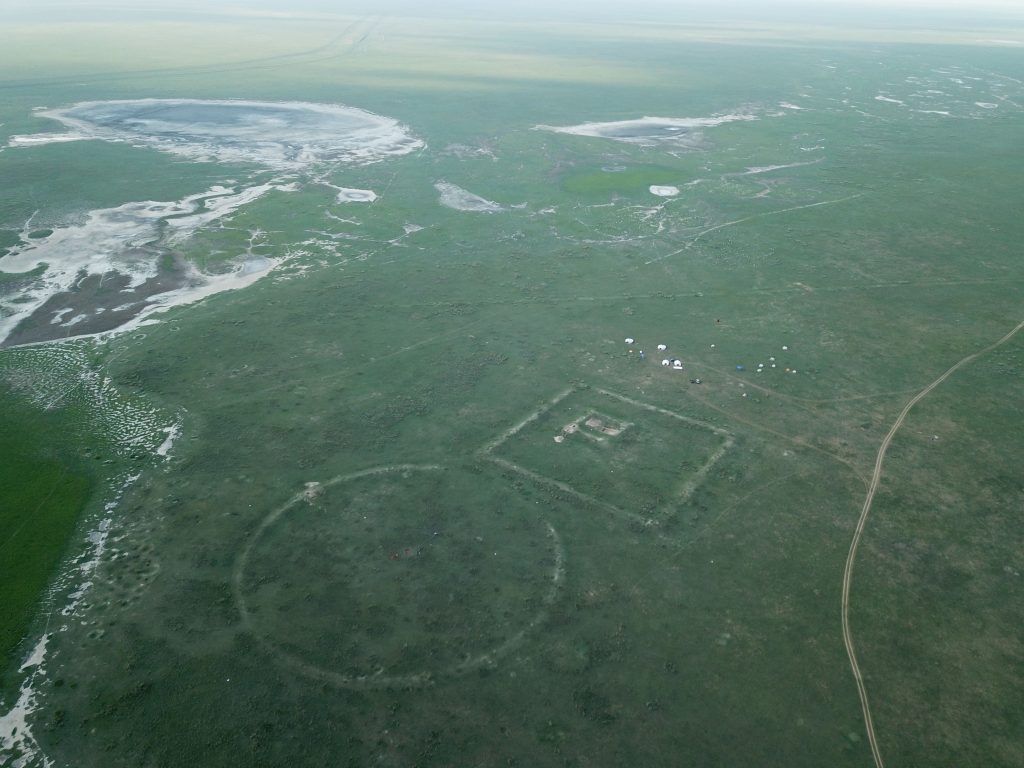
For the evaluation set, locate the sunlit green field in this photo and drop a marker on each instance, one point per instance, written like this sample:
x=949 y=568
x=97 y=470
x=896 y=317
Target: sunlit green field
x=365 y=544
x=43 y=488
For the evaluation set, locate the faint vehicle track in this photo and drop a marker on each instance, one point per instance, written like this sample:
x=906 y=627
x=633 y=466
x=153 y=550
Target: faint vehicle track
x=347 y=40
x=709 y=230
x=858 y=533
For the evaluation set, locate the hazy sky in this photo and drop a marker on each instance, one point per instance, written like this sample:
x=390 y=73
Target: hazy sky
x=762 y=7
x=923 y=13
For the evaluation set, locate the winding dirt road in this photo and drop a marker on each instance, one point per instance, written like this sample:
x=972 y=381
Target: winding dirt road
x=848 y=570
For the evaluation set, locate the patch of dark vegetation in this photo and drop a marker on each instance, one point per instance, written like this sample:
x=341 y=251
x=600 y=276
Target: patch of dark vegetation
x=44 y=486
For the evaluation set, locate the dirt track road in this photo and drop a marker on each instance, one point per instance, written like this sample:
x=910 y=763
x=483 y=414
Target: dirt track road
x=859 y=532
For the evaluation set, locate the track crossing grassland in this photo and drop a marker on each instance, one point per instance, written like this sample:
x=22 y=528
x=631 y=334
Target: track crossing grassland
x=348 y=39
x=859 y=532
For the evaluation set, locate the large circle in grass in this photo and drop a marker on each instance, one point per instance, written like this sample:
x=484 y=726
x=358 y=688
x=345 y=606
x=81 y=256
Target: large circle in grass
x=398 y=576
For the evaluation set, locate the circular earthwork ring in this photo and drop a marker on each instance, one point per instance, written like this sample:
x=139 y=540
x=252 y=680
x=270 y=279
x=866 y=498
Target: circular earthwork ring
x=397 y=577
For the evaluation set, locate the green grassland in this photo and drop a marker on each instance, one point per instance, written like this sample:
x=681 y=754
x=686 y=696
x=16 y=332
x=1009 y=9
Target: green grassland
x=669 y=595
x=623 y=180
x=43 y=490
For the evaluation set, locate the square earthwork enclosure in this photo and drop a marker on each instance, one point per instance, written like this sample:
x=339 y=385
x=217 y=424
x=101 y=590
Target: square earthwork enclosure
x=612 y=451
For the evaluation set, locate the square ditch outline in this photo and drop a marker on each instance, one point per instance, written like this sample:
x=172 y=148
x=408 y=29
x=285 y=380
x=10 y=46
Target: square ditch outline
x=487 y=451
